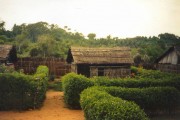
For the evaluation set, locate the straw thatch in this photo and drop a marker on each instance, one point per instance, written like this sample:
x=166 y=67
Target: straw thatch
x=4 y=51
x=84 y=55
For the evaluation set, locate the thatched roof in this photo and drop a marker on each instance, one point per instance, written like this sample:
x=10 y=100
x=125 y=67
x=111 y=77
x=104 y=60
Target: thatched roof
x=85 y=55
x=174 y=48
x=4 y=51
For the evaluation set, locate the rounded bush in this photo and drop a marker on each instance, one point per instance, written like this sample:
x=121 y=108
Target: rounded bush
x=99 y=105
x=73 y=85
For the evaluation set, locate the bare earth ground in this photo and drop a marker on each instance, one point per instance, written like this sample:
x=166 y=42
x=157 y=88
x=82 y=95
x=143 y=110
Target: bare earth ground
x=53 y=109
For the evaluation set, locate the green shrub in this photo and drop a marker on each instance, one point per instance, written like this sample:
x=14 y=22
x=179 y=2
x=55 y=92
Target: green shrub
x=137 y=83
x=134 y=69
x=16 y=91
x=42 y=70
x=6 y=69
x=41 y=77
x=19 y=91
x=99 y=105
x=152 y=99
x=73 y=85
x=154 y=74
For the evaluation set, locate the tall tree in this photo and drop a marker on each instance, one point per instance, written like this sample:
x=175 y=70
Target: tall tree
x=47 y=45
x=37 y=29
x=2 y=29
x=91 y=36
x=169 y=39
x=18 y=29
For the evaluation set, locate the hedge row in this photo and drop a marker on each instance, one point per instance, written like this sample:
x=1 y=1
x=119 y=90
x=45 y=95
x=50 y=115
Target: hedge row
x=99 y=105
x=19 y=91
x=41 y=78
x=153 y=74
x=137 y=83
x=73 y=85
x=152 y=99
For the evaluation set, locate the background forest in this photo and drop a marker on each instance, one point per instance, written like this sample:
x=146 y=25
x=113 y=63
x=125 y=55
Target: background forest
x=49 y=40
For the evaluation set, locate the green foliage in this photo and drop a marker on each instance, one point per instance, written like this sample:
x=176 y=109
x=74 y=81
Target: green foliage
x=16 y=91
x=147 y=92
x=41 y=77
x=139 y=82
x=47 y=45
x=99 y=105
x=36 y=29
x=134 y=70
x=19 y=91
x=43 y=70
x=91 y=36
x=27 y=36
x=55 y=85
x=73 y=85
x=1 y=41
x=155 y=74
x=152 y=99
x=6 y=69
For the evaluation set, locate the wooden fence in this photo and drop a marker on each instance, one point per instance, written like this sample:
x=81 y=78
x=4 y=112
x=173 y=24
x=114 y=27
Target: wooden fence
x=169 y=68
x=57 y=66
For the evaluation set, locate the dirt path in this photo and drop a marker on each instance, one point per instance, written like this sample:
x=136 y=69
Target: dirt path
x=53 y=109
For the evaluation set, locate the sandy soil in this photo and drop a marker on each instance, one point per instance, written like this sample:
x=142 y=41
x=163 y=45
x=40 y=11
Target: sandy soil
x=53 y=109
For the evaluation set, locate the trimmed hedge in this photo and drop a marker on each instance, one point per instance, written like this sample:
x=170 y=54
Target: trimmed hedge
x=152 y=99
x=137 y=83
x=73 y=85
x=43 y=70
x=99 y=105
x=19 y=91
x=155 y=74
x=41 y=77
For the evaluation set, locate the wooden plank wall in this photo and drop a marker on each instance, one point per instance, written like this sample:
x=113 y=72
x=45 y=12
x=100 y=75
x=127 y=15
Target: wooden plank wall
x=169 y=68
x=57 y=66
x=111 y=71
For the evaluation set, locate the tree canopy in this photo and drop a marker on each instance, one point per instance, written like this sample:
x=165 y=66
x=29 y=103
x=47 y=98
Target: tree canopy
x=49 y=40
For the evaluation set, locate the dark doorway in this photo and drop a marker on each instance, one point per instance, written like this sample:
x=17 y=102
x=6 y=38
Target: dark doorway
x=83 y=70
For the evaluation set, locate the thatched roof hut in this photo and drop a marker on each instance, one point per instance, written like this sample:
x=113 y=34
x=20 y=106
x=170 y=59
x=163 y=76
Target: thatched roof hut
x=170 y=60
x=87 y=60
x=171 y=56
x=8 y=54
x=82 y=55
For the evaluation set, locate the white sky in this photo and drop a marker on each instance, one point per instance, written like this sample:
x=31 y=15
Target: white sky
x=119 y=18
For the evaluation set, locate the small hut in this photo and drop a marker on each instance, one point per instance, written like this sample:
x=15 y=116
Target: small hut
x=8 y=54
x=111 y=62
x=170 y=60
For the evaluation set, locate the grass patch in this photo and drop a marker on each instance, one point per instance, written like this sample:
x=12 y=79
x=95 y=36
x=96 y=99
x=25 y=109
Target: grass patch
x=55 y=85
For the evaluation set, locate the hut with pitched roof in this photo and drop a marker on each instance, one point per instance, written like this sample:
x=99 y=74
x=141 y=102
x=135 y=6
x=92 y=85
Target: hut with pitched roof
x=111 y=62
x=169 y=61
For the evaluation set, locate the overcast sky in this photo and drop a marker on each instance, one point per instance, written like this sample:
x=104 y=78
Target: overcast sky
x=119 y=18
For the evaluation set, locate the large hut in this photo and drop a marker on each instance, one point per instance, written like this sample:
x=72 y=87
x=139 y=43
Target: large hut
x=7 y=54
x=170 y=60
x=111 y=62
